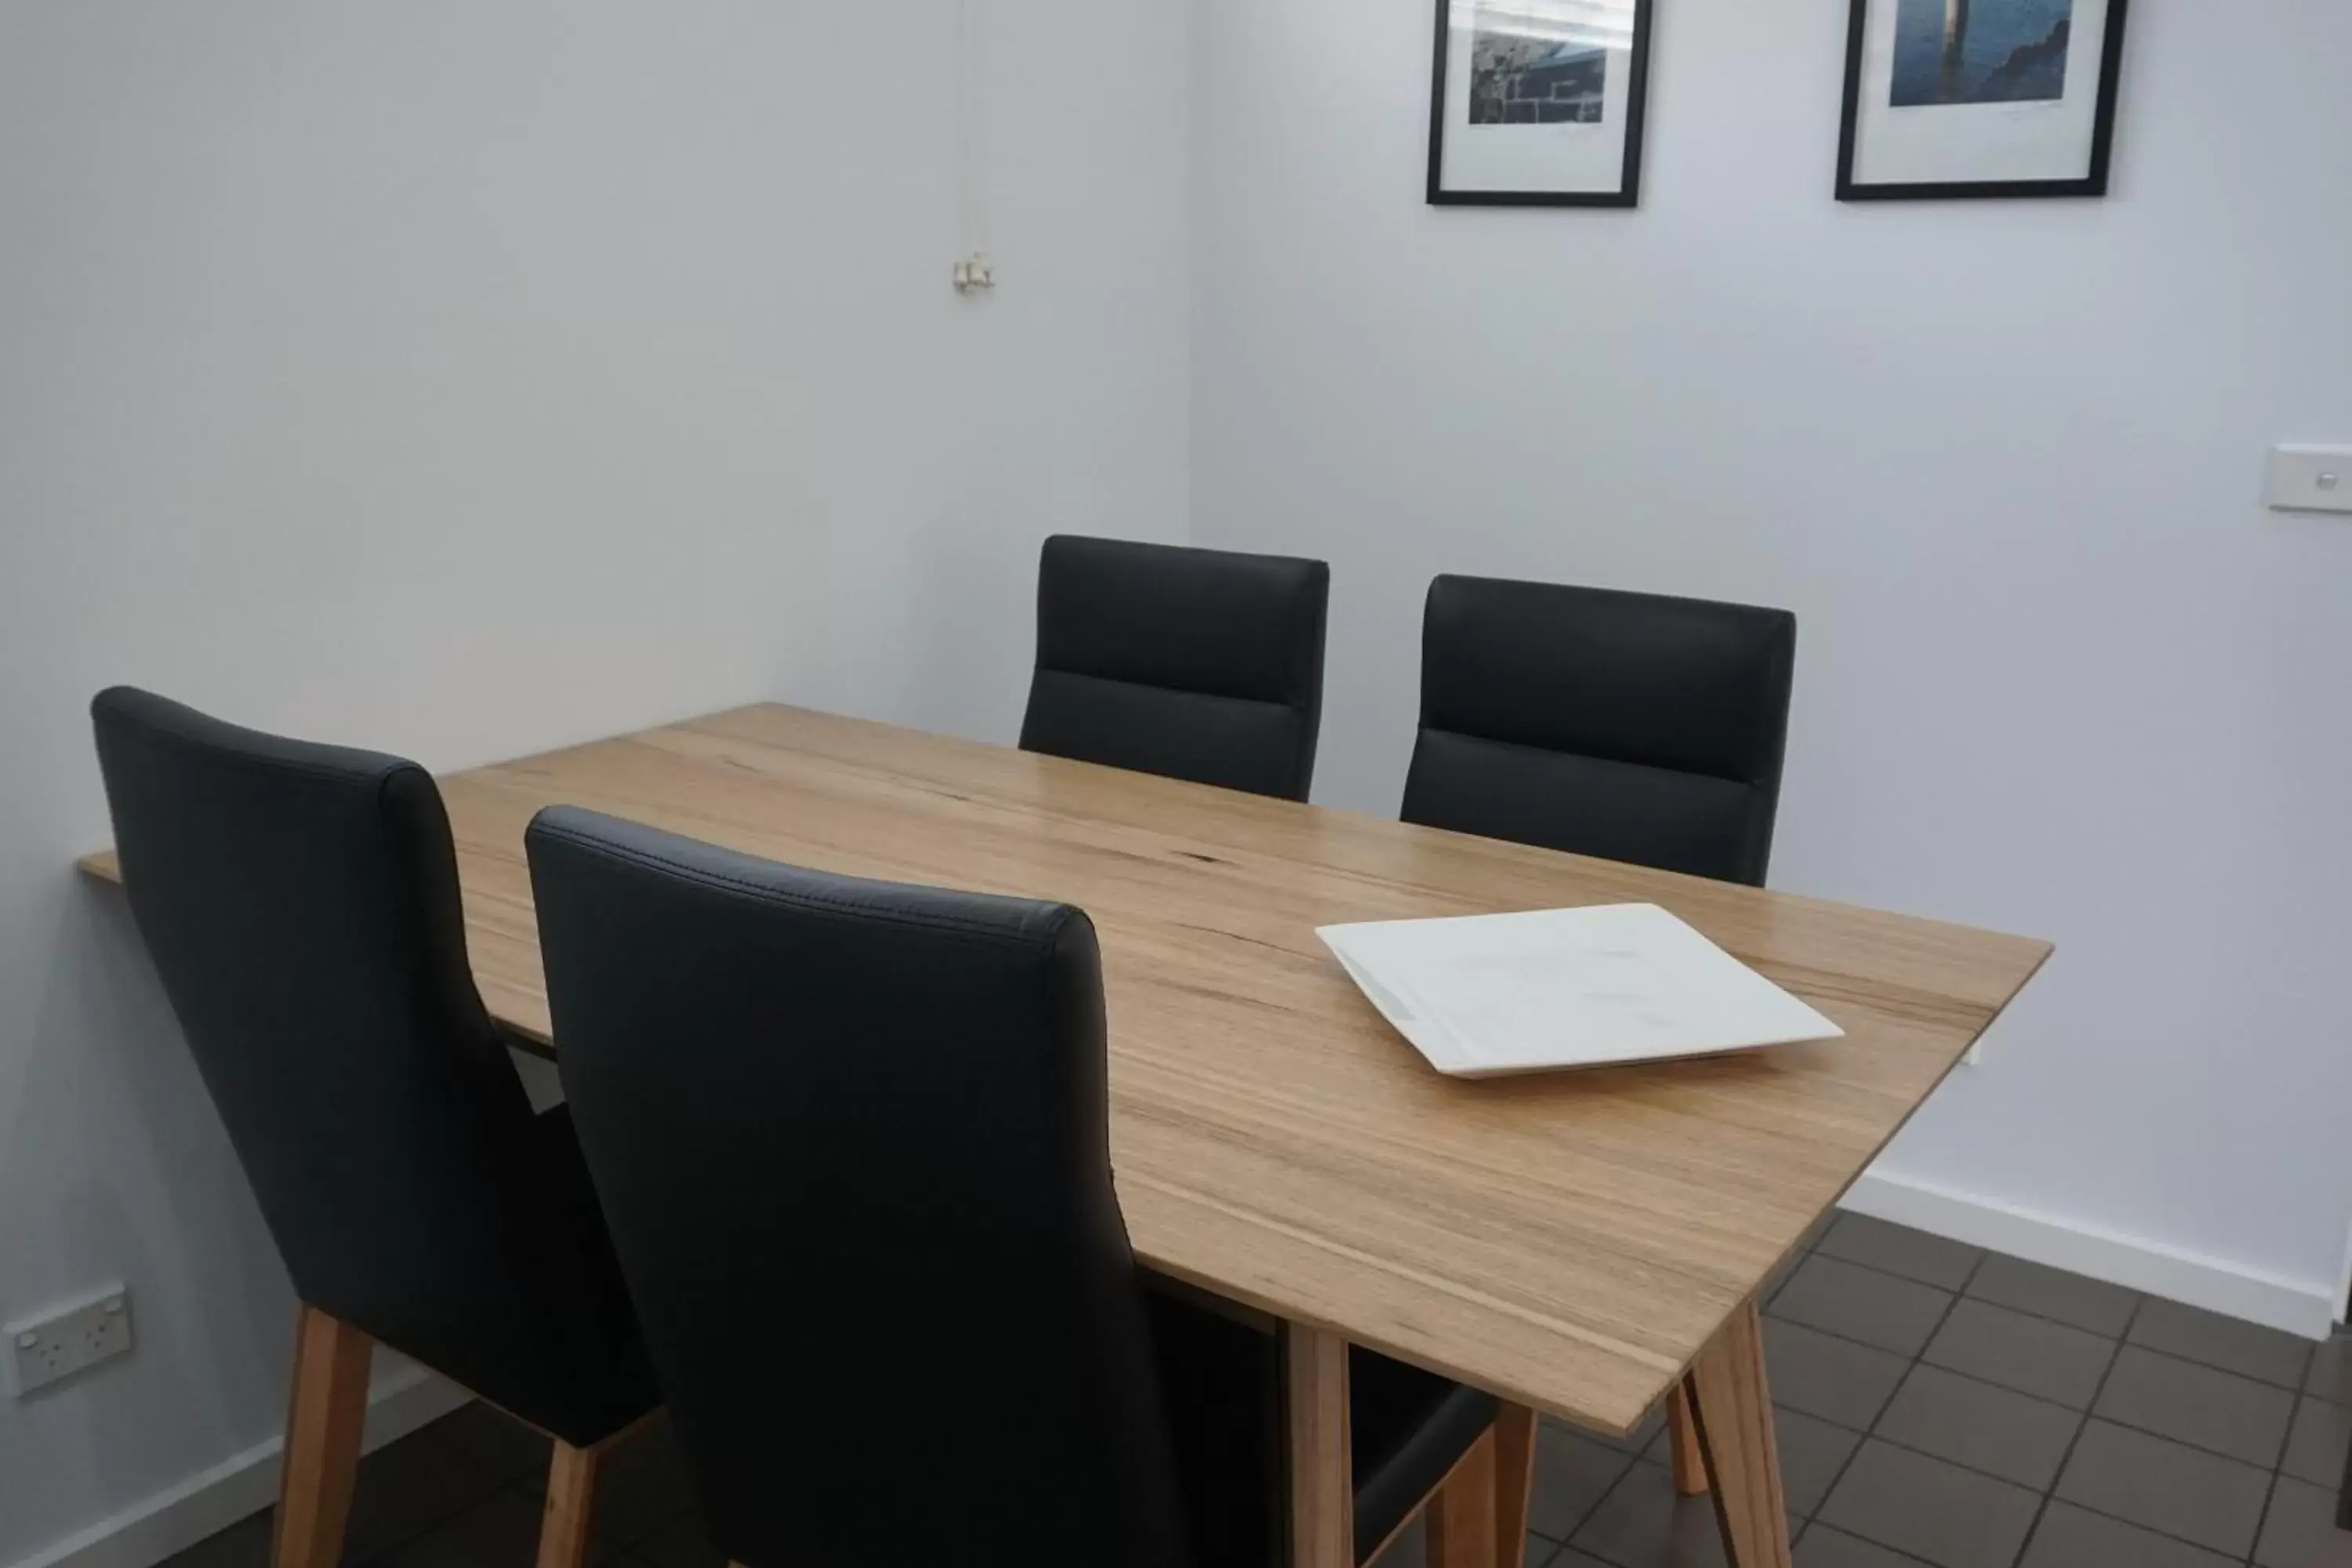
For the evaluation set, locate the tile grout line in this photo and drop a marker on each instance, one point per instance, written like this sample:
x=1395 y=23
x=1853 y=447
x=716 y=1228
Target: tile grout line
x=2083 y=1418
x=2263 y=1520
x=2278 y=1471
x=2140 y=1298
x=1870 y=1434
x=2137 y=1296
x=2083 y=1425
x=2278 y=1465
x=2045 y=1495
x=2120 y=1345
x=1633 y=1462
x=1890 y=1551
x=2120 y=1336
x=1910 y=1361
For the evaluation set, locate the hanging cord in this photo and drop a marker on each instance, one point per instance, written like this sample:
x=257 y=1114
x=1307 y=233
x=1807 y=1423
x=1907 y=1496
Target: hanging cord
x=973 y=270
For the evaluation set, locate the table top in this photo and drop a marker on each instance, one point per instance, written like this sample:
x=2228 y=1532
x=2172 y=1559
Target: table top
x=1569 y=1241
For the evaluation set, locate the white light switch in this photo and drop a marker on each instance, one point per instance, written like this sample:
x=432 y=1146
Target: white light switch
x=2310 y=479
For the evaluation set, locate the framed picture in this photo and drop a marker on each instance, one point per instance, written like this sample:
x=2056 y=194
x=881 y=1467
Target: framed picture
x=1980 y=97
x=1539 y=102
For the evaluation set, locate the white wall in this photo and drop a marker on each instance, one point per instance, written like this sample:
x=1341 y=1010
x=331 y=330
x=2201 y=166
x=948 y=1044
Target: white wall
x=458 y=379
x=2058 y=673
x=455 y=378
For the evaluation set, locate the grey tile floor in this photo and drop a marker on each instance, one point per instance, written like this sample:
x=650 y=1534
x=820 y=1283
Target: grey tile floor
x=1937 y=1405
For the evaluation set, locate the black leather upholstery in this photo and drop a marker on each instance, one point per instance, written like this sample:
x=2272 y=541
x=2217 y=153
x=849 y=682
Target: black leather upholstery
x=1407 y=1429
x=1192 y=664
x=853 y=1138
x=1627 y=726
x=301 y=905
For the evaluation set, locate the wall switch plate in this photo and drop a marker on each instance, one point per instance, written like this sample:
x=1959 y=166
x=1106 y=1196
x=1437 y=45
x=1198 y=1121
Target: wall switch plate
x=2310 y=479
x=57 y=1343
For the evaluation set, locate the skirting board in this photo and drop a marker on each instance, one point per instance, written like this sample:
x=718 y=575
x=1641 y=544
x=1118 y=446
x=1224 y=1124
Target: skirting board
x=2297 y=1307
x=211 y=1500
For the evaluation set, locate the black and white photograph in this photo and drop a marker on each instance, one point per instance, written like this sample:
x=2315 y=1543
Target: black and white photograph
x=1980 y=97
x=1538 y=102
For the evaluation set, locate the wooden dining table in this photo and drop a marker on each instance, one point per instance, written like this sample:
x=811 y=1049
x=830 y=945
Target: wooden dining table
x=1584 y=1244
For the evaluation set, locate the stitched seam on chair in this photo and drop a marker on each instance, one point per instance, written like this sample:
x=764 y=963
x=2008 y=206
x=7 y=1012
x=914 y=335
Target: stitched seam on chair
x=1283 y=704
x=946 y=924
x=1743 y=782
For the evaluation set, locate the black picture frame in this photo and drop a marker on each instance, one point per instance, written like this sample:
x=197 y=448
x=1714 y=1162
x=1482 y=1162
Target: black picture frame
x=2103 y=129
x=1628 y=193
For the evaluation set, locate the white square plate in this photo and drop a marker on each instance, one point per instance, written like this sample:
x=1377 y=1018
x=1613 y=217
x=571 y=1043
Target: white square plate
x=1484 y=995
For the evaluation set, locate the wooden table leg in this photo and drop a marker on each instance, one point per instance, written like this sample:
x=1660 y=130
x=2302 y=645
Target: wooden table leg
x=1459 y=1530
x=1732 y=1407
x=1317 y=1459
x=1690 y=1465
x=570 y=1505
x=1515 y=1481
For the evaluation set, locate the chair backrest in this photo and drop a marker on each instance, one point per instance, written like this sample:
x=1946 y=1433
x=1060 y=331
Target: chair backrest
x=1629 y=726
x=300 y=902
x=852 y=1138
x=1194 y=664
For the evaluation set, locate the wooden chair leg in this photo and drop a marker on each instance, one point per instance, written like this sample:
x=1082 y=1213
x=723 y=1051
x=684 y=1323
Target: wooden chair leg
x=1515 y=1482
x=1690 y=1466
x=324 y=1415
x=1322 y=1469
x=1732 y=1407
x=570 y=1501
x=1461 y=1528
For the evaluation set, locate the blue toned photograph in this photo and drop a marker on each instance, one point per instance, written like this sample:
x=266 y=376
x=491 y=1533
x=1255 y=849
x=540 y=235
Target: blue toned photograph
x=1515 y=80
x=1981 y=51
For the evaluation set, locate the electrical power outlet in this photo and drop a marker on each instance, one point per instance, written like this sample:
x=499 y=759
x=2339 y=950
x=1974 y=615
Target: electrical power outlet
x=65 y=1339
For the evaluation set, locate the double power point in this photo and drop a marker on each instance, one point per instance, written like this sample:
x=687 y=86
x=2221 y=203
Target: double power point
x=67 y=1339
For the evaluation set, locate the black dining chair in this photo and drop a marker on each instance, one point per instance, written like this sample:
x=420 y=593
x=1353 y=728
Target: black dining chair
x=300 y=902
x=1633 y=727
x=1201 y=664
x=853 y=1140
x=1627 y=726
x=1207 y=664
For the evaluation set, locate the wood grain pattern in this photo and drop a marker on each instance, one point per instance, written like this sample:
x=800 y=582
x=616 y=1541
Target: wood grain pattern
x=1731 y=1406
x=1682 y=1441
x=571 y=1504
x=1515 y=1481
x=1568 y=1241
x=1460 y=1532
x=325 y=1412
x=1317 y=1455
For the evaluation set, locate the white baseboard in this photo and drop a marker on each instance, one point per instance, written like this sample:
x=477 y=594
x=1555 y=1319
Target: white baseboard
x=210 y=1500
x=2297 y=1307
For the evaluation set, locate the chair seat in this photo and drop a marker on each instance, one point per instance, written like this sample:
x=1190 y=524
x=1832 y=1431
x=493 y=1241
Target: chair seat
x=1223 y=1382
x=1408 y=1428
